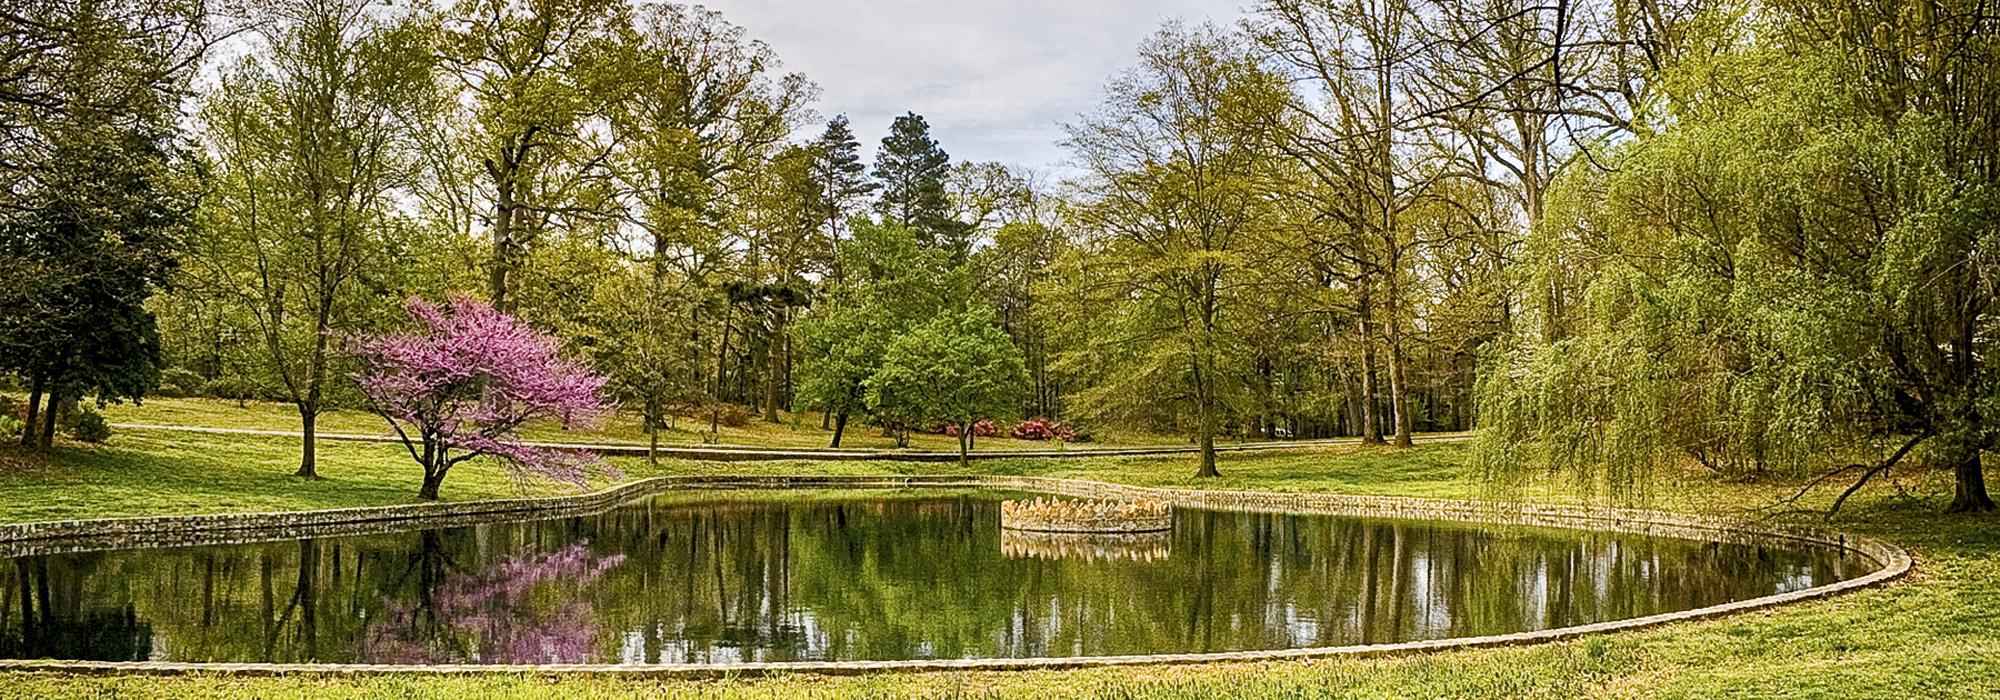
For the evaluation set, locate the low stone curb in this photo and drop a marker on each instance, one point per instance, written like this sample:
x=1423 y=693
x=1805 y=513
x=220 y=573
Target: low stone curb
x=84 y=535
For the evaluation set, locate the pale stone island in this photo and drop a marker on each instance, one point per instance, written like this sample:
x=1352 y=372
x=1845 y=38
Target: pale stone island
x=1066 y=515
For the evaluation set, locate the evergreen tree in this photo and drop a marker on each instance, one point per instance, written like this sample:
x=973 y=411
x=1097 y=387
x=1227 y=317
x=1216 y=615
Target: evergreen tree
x=94 y=200
x=913 y=169
x=841 y=175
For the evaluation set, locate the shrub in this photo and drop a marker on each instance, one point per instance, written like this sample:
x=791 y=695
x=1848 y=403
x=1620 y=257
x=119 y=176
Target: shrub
x=1041 y=428
x=90 y=426
x=228 y=388
x=984 y=428
x=732 y=415
x=10 y=428
x=180 y=382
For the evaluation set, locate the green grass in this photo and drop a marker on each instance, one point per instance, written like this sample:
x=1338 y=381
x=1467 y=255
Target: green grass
x=796 y=430
x=1934 y=635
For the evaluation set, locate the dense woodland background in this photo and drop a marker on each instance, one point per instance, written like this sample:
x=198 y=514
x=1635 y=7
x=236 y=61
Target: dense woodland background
x=1609 y=234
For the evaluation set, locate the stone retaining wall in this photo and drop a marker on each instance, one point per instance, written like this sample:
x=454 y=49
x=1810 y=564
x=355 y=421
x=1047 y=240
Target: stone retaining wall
x=84 y=535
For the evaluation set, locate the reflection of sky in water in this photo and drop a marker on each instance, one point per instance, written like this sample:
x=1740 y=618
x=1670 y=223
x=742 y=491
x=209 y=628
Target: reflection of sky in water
x=866 y=577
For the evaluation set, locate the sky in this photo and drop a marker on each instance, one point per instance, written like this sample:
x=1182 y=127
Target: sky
x=996 y=79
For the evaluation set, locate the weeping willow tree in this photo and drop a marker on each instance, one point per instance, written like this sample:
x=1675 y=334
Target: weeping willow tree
x=1792 y=265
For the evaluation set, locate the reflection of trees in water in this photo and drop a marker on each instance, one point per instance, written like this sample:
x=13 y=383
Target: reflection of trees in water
x=524 y=609
x=880 y=576
x=42 y=614
x=1141 y=546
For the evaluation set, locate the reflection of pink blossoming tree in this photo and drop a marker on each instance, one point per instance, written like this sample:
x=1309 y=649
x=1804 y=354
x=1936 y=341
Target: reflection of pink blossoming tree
x=463 y=383
x=527 y=609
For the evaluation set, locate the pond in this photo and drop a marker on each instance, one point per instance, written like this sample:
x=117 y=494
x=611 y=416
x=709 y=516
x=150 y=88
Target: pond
x=784 y=576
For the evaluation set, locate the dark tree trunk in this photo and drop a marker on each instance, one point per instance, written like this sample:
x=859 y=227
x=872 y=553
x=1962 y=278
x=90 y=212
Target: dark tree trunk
x=964 y=444
x=774 y=367
x=48 y=436
x=432 y=480
x=652 y=444
x=435 y=465
x=499 y=276
x=839 y=426
x=308 y=448
x=34 y=408
x=1371 y=423
x=1971 y=494
x=1208 y=455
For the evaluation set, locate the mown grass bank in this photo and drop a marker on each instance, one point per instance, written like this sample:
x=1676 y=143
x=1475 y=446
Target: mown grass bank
x=1934 y=635
x=800 y=430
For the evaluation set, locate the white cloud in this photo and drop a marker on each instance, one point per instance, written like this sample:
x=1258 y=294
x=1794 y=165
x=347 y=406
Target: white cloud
x=996 y=79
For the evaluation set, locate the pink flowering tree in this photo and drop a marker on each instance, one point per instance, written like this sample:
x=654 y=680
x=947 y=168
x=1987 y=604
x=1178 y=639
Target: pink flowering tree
x=462 y=384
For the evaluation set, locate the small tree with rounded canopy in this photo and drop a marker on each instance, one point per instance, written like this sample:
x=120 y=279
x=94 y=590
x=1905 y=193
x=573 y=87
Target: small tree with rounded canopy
x=463 y=383
x=957 y=368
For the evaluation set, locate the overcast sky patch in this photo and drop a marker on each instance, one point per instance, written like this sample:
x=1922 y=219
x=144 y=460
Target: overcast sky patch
x=996 y=79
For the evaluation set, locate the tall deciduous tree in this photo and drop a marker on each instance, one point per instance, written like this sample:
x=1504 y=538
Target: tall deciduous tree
x=1790 y=261
x=1177 y=168
x=893 y=283
x=306 y=139
x=524 y=72
x=958 y=367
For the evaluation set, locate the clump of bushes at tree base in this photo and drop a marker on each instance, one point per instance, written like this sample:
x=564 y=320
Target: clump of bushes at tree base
x=984 y=428
x=90 y=426
x=1042 y=428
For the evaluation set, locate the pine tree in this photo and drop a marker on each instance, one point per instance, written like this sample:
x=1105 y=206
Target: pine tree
x=912 y=169
x=837 y=166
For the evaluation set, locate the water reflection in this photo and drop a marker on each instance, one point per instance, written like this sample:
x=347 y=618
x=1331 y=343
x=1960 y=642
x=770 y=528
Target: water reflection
x=1143 y=546
x=867 y=576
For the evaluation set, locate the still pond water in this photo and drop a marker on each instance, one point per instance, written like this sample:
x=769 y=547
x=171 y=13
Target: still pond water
x=831 y=576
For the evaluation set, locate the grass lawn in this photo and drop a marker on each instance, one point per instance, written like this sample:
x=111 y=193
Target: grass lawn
x=1935 y=634
x=796 y=430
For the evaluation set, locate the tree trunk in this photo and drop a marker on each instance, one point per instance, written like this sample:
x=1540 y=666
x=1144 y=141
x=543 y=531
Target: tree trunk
x=652 y=442
x=503 y=238
x=1399 y=399
x=48 y=436
x=308 y=447
x=34 y=407
x=964 y=445
x=774 y=367
x=839 y=426
x=1208 y=456
x=1971 y=494
x=433 y=477
x=1371 y=424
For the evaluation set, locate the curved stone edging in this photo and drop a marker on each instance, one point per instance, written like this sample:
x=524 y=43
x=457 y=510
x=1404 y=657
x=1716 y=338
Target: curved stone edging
x=80 y=535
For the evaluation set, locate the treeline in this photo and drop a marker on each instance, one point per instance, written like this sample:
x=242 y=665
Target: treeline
x=1612 y=234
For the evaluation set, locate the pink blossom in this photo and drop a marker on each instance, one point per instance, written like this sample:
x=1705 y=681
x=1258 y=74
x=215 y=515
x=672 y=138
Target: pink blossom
x=465 y=381
x=495 y=616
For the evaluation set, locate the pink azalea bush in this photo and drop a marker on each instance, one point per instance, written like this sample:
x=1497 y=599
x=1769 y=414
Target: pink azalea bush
x=1039 y=428
x=466 y=379
x=984 y=428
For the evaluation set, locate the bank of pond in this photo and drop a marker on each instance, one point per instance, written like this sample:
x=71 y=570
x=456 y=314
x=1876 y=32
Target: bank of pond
x=732 y=577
